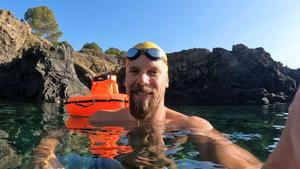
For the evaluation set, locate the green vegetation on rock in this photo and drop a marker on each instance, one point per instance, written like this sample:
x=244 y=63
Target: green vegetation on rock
x=115 y=51
x=91 y=46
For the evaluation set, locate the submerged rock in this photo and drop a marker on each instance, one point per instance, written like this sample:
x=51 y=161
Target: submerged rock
x=8 y=156
x=3 y=134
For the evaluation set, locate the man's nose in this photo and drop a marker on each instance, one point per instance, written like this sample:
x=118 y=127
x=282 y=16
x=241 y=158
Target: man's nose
x=143 y=79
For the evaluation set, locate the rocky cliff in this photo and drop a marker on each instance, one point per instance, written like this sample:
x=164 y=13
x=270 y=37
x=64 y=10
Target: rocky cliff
x=240 y=76
x=90 y=64
x=32 y=69
x=293 y=73
x=14 y=37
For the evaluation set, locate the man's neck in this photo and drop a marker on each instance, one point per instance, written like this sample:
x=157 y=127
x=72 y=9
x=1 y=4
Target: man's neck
x=158 y=115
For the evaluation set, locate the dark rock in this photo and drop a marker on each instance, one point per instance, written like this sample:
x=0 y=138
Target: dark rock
x=121 y=79
x=41 y=74
x=278 y=98
x=239 y=48
x=293 y=73
x=265 y=101
x=240 y=76
x=52 y=116
x=84 y=75
x=33 y=69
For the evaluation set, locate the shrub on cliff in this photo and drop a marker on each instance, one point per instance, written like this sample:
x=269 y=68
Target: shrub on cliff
x=115 y=51
x=43 y=23
x=91 y=47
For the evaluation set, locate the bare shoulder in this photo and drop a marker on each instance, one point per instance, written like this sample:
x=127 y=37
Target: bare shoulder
x=198 y=123
x=191 y=122
x=173 y=115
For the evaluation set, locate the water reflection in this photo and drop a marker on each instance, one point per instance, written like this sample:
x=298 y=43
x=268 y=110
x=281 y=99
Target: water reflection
x=21 y=127
x=148 y=148
x=146 y=145
x=24 y=125
x=133 y=145
x=252 y=127
x=243 y=136
x=102 y=141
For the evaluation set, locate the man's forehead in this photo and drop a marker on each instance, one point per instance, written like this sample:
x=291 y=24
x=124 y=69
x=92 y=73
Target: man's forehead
x=143 y=62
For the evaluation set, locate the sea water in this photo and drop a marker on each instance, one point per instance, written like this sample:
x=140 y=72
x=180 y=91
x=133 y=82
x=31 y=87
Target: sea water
x=24 y=125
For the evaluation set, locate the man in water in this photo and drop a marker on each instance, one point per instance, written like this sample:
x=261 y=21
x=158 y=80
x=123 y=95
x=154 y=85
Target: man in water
x=146 y=82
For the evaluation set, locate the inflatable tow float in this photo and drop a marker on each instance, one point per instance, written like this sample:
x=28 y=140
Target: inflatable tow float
x=104 y=95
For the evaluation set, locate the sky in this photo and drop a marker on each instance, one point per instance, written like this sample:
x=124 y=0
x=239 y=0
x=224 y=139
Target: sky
x=177 y=25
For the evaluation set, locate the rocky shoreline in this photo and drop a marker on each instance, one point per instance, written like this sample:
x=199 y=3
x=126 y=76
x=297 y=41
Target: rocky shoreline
x=33 y=69
x=240 y=76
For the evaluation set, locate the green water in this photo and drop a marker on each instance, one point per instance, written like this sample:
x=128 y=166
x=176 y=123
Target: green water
x=22 y=125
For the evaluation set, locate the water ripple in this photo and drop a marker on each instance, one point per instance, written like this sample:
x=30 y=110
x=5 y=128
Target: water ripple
x=242 y=136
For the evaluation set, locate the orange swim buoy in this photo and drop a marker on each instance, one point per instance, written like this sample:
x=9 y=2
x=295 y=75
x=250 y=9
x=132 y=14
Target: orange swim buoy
x=104 y=96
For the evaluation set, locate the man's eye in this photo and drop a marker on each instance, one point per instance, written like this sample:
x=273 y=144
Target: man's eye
x=153 y=72
x=133 y=71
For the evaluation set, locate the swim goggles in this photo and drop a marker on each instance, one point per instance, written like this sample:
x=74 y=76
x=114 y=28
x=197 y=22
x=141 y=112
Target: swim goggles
x=151 y=53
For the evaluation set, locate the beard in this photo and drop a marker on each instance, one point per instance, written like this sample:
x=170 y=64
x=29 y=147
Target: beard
x=143 y=109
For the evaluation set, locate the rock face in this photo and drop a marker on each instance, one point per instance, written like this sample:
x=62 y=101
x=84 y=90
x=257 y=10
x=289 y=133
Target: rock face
x=240 y=76
x=295 y=74
x=41 y=74
x=14 y=37
x=32 y=69
x=90 y=64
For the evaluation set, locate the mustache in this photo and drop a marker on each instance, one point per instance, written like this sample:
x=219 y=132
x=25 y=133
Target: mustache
x=141 y=88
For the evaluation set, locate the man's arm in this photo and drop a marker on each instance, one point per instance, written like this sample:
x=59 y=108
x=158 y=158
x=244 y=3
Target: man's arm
x=213 y=146
x=287 y=152
x=44 y=153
